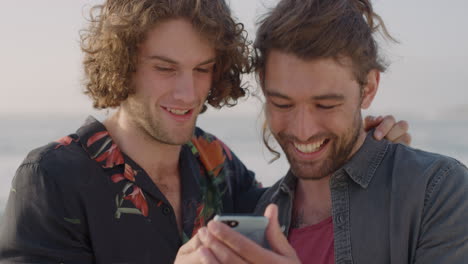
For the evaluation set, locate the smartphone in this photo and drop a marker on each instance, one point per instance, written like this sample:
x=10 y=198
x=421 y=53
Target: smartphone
x=250 y=226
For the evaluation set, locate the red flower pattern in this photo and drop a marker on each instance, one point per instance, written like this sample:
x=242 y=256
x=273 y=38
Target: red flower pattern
x=129 y=174
x=138 y=199
x=211 y=154
x=113 y=156
x=65 y=141
x=200 y=220
x=96 y=137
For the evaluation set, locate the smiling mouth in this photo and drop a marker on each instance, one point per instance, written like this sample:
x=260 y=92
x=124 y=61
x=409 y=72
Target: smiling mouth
x=311 y=147
x=178 y=112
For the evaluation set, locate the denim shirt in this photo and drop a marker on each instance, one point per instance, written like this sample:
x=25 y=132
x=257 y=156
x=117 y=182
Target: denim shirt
x=391 y=204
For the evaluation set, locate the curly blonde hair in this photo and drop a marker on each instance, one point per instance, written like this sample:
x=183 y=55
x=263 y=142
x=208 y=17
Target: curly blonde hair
x=119 y=26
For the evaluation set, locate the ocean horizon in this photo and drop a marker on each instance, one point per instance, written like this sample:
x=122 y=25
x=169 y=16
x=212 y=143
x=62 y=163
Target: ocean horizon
x=242 y=133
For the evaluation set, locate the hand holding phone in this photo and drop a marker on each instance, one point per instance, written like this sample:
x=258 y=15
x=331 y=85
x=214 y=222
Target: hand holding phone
x=228 y=246
x=252 y=227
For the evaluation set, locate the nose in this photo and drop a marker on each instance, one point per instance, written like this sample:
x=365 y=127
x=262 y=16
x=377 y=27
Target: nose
x=304 y=124
x=185 y=88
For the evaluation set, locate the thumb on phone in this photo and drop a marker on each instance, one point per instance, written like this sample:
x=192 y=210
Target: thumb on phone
x=278 y=242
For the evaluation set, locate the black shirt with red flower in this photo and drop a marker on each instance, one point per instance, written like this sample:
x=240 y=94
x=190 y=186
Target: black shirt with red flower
x=82 y=200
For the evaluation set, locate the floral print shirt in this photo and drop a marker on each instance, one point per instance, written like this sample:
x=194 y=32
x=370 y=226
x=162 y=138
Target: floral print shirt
x=82 y=200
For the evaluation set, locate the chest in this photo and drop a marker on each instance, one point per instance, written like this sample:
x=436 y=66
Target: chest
x=314 y=243
x=140 y=222
x=121 y=234
x=373 y=225
x=370 y=225
x=170 y=188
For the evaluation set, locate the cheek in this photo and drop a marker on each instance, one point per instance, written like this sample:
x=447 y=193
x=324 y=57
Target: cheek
x=342 y=121
x=203 y=84
x=141 y=84
x=277 y=121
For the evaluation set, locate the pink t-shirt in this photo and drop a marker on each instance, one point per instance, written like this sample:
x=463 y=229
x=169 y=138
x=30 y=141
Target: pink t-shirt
x=314 y=244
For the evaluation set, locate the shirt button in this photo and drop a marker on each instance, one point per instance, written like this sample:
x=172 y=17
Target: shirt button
x=166 y=210
x=340 y=219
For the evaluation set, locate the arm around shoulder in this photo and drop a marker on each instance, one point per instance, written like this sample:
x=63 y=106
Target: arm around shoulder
x=42 y=222
x=444 y=227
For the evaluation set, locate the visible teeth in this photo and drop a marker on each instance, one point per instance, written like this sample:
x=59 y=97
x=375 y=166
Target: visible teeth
x=177 y=111
x=309 y=148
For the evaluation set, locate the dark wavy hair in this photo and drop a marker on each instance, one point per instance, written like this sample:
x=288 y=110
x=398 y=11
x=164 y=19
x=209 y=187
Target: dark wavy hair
x=119 y=26
x=317 y=29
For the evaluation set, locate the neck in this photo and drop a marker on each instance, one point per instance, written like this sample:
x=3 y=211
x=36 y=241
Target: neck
x=359 y=142
x=312 y=201
x=159 y=160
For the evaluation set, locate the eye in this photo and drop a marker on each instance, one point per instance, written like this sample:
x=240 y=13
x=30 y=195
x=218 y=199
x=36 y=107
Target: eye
x=326 y=107
x=203 y=70
x=282 y=106
x=164 y=69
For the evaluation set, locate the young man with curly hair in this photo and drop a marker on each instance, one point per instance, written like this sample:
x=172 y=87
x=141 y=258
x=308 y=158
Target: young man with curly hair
x=347 y=197
x=135 y=187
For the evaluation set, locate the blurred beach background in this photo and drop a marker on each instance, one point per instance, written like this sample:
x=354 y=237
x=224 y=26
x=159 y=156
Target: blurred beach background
x=42 y=98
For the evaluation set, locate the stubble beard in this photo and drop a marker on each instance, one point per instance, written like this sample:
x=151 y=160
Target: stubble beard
x=339 y=153
x=152 y=127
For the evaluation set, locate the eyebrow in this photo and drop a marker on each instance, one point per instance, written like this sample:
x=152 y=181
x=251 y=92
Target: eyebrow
x=276 y=94
x=169 y=60
x=337 y=97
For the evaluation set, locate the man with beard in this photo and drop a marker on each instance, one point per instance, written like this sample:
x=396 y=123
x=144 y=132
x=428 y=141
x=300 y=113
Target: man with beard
x=134 y=188
x=347 y=197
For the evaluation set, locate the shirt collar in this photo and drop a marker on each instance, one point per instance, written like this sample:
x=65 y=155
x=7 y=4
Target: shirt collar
x=287 y=184
x=364 y=163
x=99 y=145
x=90 y=127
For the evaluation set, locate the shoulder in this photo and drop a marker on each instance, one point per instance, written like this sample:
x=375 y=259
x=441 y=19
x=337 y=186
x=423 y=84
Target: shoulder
x=422 y=162
x=219 y=159
x=431 y=170
x=58 y=161
x=269 y=195
x=410 y=155
x=202 y=135
x=207 y=145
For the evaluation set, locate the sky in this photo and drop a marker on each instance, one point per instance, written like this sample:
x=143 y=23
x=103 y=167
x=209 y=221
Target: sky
x=41 y=73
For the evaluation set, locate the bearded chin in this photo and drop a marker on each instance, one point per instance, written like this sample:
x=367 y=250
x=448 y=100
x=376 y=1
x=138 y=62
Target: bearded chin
x=339 y=153
x=312 y=171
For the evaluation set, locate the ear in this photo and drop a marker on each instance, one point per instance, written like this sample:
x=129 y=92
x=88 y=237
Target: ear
x=370 y=90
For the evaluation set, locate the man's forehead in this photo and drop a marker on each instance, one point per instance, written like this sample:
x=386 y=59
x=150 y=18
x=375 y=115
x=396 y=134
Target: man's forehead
x=288 y=76
x=177 y=40
x=285 y=60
